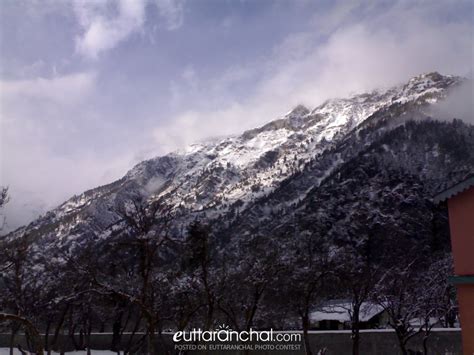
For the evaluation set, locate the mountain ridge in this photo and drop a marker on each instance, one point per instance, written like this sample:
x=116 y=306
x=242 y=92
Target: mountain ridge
x=211 y=179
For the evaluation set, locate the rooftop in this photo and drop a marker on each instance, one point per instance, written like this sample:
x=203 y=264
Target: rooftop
x=454 y=189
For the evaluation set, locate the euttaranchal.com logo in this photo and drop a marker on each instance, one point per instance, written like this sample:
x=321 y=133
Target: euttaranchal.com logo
x=224 y=338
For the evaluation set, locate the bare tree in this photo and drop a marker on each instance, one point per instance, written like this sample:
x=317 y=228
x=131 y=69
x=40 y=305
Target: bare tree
x=396 y=294
x=254 y=265
x=358 y=272
x=16 y=290
x=140 y=238
x=436 y=297
x=309 y=267
x=416 y=297
x=199 y=261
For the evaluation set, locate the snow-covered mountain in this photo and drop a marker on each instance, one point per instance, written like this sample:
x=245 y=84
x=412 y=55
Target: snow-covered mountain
x=213 y=179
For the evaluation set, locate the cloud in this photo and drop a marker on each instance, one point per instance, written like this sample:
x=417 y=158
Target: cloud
x=191 y=126
x=35 y=110
x=105 y=24
x=45 y=156
x=328 y=21
x=459 y=104
x=172 y=12
x=61 y=90
x=39 y=180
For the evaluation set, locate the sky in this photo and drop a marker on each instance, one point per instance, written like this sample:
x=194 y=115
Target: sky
x=89 y=88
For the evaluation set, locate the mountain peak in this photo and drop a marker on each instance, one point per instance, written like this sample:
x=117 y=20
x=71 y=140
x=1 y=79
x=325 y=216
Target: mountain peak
x=432 y=79
x=298 y=111
x=434 y=76
x=428 y=83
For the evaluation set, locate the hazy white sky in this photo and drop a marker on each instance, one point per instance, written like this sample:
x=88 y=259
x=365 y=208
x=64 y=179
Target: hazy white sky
x=91 y=87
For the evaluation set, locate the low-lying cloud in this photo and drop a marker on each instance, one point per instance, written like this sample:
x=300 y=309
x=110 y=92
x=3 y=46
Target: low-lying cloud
x=459 y=104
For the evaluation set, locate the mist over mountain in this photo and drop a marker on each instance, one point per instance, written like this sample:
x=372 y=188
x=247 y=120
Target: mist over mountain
x=459 y=104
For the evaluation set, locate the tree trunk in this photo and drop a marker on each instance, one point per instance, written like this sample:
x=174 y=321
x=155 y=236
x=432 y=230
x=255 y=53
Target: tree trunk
x=46 y=336
x=425 y=344
x=82 y=341
x=59 y=326
x=305 y=323
x=88 y=336
x=210 y=315
x=355 y=330
x=253 y=310
x=130 y=339
x=29 y=337
x=402 y=343
x=12 y=337
x=22 y=352
x=72 y=335
x=116 y=333
x=151 y=337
